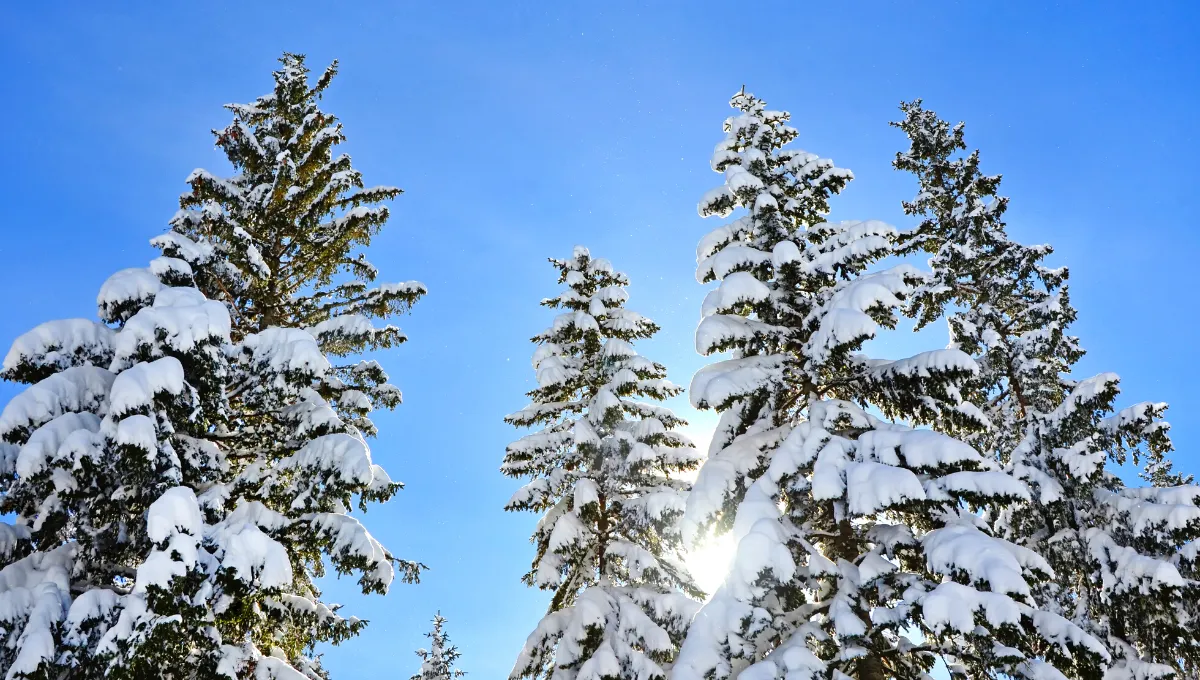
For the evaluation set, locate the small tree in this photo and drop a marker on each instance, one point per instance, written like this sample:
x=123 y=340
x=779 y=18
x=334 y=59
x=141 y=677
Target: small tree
x=182 y=471
x=603 y=470
x=437 y=662
x=1124 y=559
x=852 y=531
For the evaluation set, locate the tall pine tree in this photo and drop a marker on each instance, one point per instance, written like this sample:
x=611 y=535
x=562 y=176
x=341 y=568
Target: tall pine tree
x=437 y=662
x=182 y=470
x=853 y=529
x=603 y=475
x=1124 y=558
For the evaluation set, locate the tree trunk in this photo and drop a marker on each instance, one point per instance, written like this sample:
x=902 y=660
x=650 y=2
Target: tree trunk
x=870 y=667
x=845 y=546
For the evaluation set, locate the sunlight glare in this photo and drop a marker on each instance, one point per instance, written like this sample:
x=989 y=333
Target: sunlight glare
x=710 y=562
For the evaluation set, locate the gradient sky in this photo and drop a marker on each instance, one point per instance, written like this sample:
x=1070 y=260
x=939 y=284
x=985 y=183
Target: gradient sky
x=521 y=129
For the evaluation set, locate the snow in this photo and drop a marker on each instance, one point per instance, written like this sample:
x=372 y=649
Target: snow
x=348 y=539
x=286 y=350
x=136 y=387
x=716 y=331
x=843 y=320
x=137 y=431
x=254 y=557
x=81 y=388
x=917 y=449
x=719 y=475
x=871 y=487
x=961 y=548
x=730 y=259
x=135 y=286
x=1123 y=569
x=346 y=325
x=987 y=484
x=189 y=250
x=1147 y=515
x=34 y=597
x=716 y=384
x=735 y=289
x=175 y=511
x=62 y=344
x=181 y=317
x=46 y=441
x=784 y=253
x=954 y=606
x=927 y=364
x=343 y=455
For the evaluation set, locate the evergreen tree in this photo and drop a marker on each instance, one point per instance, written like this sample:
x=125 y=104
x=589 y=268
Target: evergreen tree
x=603 y=469
x=437 y=662
x=1124 y=558
x=183 y=469
x=851 y=530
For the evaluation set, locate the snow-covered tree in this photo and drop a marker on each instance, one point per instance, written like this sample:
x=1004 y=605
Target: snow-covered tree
x=1124 y=558
x=437 y=662
x=181 y=470
x=603 y=469
x=853 y=529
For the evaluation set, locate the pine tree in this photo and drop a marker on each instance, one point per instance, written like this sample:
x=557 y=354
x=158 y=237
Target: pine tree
x=1124 y=558
x=603 y=468
x=181 y=470
x=437 y=662
x=852 y=531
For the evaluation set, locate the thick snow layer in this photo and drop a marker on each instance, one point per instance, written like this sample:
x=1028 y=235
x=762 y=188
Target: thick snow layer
x=136 y=387
x=81 y=388
x=718 y=477
x=722 y=236
x=45 y=442
x=35 y=592
x=170 y=267
x=731 y=258
x=969 y=484
x=716 y=330
x=182 y=317
x=735 y=289
x=253 y=556
x=286 y=350
x=926 y=364
x=871 y=487
x=1123 y=569
x=954 y=606
x=183 y=246
x=1172 y=495
x=1148 y=515
x=343 y=455
x=62 y=344
x=137 y=285
x=137 y=431
x=844 y=319
x=961 y=548
x=917 y=449
x=176 y=510
x=716 y=384
x=349 y=539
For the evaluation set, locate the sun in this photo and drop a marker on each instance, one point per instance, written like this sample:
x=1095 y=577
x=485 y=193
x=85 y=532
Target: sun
x=710 y=561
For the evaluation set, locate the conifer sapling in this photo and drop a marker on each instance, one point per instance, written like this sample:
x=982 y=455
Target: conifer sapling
x=603 y=469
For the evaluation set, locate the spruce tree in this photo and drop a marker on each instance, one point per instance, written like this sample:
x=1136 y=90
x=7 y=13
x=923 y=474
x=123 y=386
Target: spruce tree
x=181 y=470
x=437 y=662
x=603 y=469
x=853 y=529
x=1124 y=558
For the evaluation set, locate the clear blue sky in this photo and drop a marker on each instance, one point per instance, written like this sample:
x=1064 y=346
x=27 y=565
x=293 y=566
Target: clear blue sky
x=521 y=129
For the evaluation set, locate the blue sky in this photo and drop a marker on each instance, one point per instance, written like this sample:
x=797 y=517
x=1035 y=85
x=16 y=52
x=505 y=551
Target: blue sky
x=521 y=129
